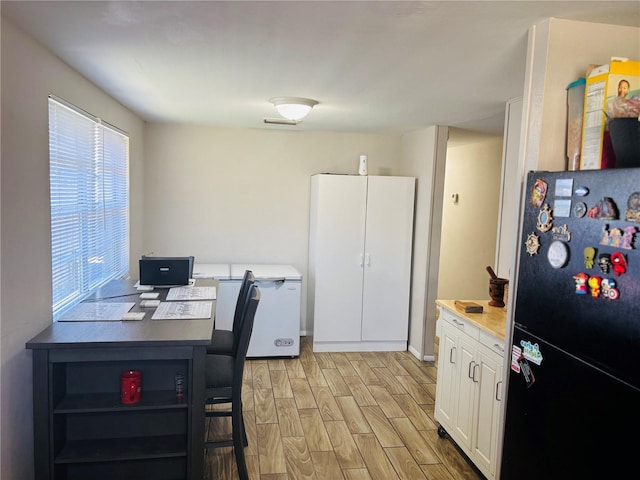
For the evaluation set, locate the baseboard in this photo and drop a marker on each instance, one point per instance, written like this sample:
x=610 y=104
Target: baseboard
x=416 y=353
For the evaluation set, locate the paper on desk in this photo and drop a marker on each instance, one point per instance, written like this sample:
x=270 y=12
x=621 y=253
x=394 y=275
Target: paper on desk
x=191 y=293
x=97 y=312
x=182 y=310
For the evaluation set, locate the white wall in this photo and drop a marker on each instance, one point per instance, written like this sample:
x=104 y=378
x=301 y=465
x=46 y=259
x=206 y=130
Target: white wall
x=424 y=157
x=230 y=195
x=29 y=74
x=468 y=245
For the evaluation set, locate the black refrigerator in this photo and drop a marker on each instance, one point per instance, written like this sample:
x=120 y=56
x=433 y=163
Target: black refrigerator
x=573 y=399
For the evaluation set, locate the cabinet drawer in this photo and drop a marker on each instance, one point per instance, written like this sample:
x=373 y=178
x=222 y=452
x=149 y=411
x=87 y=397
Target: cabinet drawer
x=459 y=323
x=494 y=343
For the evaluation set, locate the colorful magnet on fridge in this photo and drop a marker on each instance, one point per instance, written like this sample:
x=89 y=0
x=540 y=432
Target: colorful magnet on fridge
x=579 y=209
x=531 y=351
x=532 y=244
x=594 y=286
x=619 y=263
x=618 y=238
x=558 y=254
x=605 y=209
x=609 y=289
x=589 y=255
x=580 y=281
x=544 y=219
x=539 y=192
x=581 y=191
x=633 y=208
x=604 y=262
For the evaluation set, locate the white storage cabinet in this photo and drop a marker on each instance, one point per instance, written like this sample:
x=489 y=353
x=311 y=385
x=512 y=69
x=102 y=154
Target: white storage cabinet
x=360 y=245
x=469 y=388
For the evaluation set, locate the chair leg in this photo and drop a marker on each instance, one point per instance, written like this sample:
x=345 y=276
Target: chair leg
x=239 y=440
x=245 y=442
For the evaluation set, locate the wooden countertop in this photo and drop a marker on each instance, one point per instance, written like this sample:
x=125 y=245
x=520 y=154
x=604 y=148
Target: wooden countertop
x=492 y=319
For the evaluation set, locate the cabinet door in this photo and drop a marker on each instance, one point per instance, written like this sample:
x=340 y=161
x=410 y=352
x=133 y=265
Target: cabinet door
x=447 y=375
x=488 y=378
x=338 y=207
x=387 y=251
x=464 y=416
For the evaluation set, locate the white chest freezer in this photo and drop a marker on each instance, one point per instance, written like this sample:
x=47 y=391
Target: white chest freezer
x=219 y=271
x=276 y=328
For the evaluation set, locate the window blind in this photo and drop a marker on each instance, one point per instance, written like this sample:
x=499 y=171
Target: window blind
x=89 y=182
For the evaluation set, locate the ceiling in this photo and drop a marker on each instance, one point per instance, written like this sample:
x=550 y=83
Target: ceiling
x=373 y=66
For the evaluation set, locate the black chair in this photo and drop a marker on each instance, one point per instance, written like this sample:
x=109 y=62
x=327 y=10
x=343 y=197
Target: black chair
x=224 y=384
x=222 y=341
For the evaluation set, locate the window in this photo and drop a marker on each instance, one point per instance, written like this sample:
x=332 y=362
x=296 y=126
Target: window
x=89 y=179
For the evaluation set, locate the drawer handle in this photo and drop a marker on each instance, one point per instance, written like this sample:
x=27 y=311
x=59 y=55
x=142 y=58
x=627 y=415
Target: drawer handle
x=451 y=357
x=499 y=347
x=499 y=399
x=458 y=323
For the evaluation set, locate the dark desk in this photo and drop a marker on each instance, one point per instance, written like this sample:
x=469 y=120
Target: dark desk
x=81 y=430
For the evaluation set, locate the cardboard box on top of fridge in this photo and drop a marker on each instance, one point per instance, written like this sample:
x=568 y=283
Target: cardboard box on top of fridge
x=607 y=97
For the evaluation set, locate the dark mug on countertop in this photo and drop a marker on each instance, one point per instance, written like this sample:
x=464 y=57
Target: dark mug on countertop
x=130 y=386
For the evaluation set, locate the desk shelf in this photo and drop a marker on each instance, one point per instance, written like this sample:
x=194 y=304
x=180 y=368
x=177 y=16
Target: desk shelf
x=82 y=430
x=110 y=402
x=119 y=449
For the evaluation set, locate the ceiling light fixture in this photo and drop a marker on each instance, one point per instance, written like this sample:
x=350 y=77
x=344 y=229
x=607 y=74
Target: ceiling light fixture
x=293 y=108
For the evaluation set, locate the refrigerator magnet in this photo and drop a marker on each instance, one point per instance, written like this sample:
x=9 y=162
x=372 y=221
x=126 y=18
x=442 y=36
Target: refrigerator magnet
x=594 y=286
x=579 y=209
x=609 y=289
x=589 y=256
x=516 y=355
x=532 y=244
x=561 y=233
x=633 y=208
x=618 y=238
x=581 y=191
x=527 y=374
x=619 y=263
x=531 y=351
x=562 y=208
x=558 y=254
x=544 y=219
x=605 y=209
x=604 y=262
x=564 y=187
x=538 y=192
x=580 y=281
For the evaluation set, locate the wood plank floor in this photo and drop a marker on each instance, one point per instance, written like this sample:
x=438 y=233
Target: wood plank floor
x=340 y=416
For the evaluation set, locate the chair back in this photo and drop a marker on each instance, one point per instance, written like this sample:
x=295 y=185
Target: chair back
x=242 y=346
x=247 y=280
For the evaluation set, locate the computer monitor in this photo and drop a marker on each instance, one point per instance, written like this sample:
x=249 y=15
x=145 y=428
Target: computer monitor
x=165 y=271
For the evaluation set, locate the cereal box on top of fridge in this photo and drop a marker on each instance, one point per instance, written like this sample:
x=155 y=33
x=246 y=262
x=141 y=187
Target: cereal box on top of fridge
x=612 y=91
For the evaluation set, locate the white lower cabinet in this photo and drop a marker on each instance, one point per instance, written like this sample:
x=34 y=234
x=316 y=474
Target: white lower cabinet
x=469 y=389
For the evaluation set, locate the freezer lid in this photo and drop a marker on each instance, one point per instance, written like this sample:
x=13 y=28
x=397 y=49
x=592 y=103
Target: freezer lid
x=219 y=271
x=265 y=272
